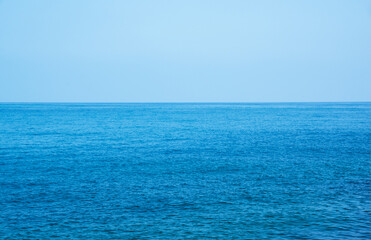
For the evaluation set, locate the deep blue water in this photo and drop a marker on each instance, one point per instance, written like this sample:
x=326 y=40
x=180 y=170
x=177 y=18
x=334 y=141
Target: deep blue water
x=175 y=171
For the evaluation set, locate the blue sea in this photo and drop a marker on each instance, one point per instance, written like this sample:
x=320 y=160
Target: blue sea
x=185 y=171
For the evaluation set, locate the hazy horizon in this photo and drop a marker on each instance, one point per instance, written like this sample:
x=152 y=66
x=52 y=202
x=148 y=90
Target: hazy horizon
x=313 y=102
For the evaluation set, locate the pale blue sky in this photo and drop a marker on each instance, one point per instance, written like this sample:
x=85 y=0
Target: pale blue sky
x=185 y=51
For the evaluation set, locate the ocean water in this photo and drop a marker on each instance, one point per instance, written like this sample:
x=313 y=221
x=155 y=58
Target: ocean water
x=185 y=171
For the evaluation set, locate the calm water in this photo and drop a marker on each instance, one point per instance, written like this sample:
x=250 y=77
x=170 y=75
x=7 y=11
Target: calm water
x=175 y=171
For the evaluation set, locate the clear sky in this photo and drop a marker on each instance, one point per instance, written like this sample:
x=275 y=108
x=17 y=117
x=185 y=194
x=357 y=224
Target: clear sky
x=185 y=51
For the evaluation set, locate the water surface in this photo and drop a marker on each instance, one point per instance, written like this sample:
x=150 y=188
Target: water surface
x=175 y=171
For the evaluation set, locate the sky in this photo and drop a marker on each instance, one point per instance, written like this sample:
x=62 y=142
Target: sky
x=185 y=51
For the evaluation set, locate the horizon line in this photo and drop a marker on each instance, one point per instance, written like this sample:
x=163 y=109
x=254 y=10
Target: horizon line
x=163 y=102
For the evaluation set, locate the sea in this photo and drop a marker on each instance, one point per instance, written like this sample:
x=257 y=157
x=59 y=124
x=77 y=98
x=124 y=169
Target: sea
x=185 y=170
